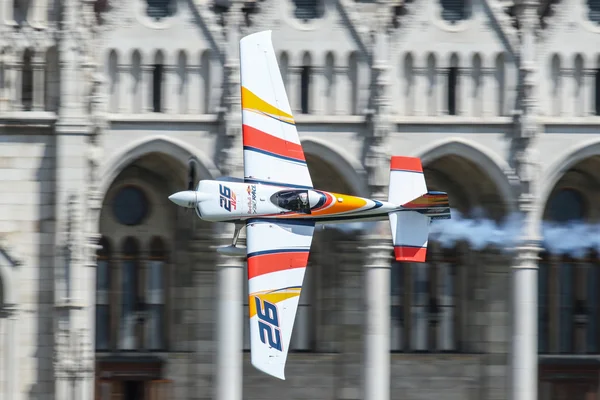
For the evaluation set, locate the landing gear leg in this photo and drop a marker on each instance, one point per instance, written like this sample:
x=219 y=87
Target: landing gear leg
x=232 y=250
x=236 y=234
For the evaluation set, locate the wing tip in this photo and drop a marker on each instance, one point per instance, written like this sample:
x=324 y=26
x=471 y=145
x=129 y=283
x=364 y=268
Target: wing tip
x=279 y=374
x=267 y=33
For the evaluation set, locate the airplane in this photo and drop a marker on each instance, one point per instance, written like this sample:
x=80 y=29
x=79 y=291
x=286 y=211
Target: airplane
x=279 y=206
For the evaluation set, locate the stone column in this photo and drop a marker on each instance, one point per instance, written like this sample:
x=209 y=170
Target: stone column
x=7 y=11
x=349 y=327
x=124 y=80
x=589 y=97
x=146 y=89
x=230 y=270
x=169 y=98
x=16 y=70
x=442 y=89
x=524 y=159
x=39 y=90
x=39 y=14
x=464 y=106
x=230 y=277
x=377 y=316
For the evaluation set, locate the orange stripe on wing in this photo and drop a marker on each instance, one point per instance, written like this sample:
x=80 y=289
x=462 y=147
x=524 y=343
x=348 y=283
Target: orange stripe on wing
x=255 y=139
x=410 y=253
x=410 y=164
x=266 y=262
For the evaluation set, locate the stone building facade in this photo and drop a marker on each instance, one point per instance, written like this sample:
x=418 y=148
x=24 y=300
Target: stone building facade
x=109 y=291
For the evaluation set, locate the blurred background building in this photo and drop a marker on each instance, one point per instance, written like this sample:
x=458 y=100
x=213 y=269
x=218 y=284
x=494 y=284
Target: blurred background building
x=107 y=107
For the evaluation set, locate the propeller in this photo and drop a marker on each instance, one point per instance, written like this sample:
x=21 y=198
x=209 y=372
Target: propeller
x=192 y=174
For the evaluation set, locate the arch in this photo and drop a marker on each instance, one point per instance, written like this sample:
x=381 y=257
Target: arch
x=175 y=148
x=489 y=162
x=578 y=153
x=348 y=167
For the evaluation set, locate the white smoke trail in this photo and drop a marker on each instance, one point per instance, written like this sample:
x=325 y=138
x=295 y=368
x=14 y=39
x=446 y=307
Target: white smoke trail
x=478 y=232
x=574 y=238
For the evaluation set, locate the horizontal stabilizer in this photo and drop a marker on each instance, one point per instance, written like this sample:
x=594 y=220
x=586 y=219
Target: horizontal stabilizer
x=410 y=232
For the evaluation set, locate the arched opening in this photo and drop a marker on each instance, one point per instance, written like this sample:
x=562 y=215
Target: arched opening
x=306 y=84
x=182 y=74
x=569 y=275
x=136 y=82
x=143 y=270
x=27 y=81
x=114 y=80
x=471 y=190
x=330 y=87
x=158 y=96
x=428 y=299
x=409 y=83
x=431 y=85
x=51 y=80
x=452 y=90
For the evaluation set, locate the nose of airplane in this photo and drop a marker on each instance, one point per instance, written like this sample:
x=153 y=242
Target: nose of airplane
x=186 y=199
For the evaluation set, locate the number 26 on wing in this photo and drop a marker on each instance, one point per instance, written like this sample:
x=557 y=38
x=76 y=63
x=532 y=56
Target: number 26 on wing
x=268 y=324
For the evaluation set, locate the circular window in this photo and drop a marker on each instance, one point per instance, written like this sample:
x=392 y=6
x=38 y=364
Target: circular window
x=566 y=205
x=130 y=206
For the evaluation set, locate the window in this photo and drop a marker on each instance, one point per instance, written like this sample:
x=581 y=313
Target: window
x=157 y=86
x=130 y=206
x=305 y=90
x=424 y=306
x=454 y=11
x=155 y=296
x=568 y=305
x=129 y=298
x=594 y=11
x=452 y=84
x=566 y=205
x=159 y=9
x=102 y=297
x=306 y=10
x=292 y=200
x=27 y=82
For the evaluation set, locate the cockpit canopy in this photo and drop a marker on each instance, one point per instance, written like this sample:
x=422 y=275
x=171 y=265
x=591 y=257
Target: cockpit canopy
x=292 y=200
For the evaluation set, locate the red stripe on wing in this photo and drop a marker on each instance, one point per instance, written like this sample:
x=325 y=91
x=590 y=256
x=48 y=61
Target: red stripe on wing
x=260 y=140
x=267 y=263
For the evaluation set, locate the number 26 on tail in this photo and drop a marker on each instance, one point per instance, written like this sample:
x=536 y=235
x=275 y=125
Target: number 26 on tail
x=268 y=323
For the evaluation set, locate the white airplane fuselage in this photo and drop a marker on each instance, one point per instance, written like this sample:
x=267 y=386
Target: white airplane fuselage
x=236 y=201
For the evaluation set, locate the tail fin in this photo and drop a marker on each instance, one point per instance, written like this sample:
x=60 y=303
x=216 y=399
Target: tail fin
x=416 y=208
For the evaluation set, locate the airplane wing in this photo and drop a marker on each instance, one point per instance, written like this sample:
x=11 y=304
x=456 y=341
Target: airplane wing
x=277 y=258
x=272 y=150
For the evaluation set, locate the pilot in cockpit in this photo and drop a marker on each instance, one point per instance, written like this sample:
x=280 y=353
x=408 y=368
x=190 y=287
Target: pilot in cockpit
x=304 y=200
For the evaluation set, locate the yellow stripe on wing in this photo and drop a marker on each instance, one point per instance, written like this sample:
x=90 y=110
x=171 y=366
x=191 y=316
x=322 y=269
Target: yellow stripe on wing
x=252 y=102
x=272 y=297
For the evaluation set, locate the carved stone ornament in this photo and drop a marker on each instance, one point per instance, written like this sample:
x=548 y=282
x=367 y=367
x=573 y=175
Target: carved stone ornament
x=117 y=15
